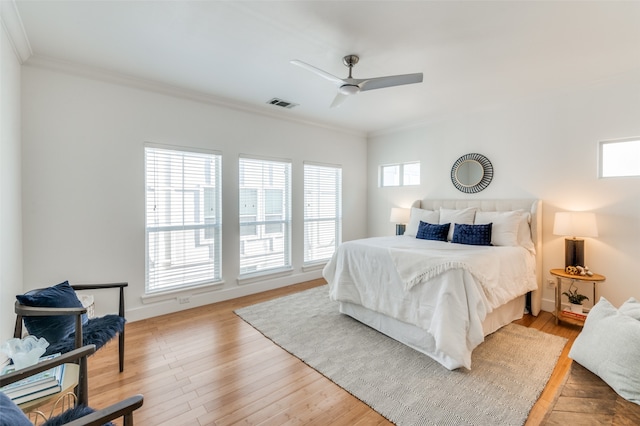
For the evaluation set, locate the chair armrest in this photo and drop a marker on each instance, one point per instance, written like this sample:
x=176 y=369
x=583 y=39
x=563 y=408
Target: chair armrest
x=98 y=286
x=123 y=408
x=38 y=311
x=71 y=356
x=121 y=286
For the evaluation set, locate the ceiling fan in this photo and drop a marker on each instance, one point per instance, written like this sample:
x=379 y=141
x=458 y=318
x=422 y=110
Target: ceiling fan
x=352 y=86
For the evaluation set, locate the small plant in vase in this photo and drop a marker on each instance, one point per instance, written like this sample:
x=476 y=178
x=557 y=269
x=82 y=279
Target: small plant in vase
x=575 y=299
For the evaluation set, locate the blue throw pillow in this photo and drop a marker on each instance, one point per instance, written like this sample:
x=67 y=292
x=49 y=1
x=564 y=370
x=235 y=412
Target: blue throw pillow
x=429 y=231
x=52 y=328
x=10 y=414
x=477 y=235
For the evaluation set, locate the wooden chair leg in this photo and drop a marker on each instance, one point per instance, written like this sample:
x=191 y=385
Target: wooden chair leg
x=121 y=350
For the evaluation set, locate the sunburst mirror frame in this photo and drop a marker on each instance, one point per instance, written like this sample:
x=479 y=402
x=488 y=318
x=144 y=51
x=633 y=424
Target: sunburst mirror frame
x=485 y=180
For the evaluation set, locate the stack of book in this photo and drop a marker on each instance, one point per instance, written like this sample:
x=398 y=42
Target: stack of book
x=574 y=315
x=37 y=386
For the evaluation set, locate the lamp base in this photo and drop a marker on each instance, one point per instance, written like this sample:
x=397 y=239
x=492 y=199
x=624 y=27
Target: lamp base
x=573 y=252
x=400 y=228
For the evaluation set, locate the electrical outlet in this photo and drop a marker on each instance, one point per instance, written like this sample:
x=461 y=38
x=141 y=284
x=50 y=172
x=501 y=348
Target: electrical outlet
x=551 y=283
x=183 y=299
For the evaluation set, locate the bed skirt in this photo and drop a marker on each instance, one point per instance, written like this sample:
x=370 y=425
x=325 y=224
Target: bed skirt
x=420 y=339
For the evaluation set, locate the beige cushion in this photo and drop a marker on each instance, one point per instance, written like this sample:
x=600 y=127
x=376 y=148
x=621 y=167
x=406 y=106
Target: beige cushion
x=632 y=308
x=609 y=346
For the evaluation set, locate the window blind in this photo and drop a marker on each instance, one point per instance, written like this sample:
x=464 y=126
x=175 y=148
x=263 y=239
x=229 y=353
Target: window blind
x=265 y=215
x=322 y=212
x=183 y=223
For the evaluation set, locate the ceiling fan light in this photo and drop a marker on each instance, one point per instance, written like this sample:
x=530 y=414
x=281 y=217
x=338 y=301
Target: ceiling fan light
x=349 y=89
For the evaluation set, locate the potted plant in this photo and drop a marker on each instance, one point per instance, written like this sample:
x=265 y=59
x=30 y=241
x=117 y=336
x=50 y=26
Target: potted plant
x=575 y=299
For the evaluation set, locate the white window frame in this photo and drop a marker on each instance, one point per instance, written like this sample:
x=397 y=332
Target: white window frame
x=183 y=195
x=322 y=212
x=400 y=172
x=627 y=161
x=266 y=247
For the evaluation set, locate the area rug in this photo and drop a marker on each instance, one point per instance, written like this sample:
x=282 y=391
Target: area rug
x=508 y=371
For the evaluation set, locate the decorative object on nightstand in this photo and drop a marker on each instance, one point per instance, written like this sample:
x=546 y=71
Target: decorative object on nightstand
x=575 y=299
x=575 y=224
x=400 y=217
x=569 y=316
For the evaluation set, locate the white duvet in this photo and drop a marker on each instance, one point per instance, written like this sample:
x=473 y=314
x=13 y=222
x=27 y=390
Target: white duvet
x=444 y=288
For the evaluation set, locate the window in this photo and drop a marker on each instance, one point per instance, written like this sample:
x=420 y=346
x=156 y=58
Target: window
x=182 y=218
x=411 y=174
x=390 y=175
x=265 y=215
x=400 y=174
x=322 y=212
x=620 y=158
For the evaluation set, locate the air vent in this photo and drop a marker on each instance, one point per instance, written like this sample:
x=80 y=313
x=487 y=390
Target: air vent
x=282 y=103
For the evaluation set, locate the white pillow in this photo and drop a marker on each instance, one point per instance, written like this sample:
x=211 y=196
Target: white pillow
x=524 y=231
x=504 y=231
x=464 y=216
x=631 y=308
x=416 y=215
x=609 y=346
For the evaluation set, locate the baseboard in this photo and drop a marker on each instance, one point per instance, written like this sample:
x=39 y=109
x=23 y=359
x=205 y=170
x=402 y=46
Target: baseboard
x=200 y=297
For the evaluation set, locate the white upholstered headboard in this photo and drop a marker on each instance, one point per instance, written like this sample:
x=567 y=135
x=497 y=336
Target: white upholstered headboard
x=531 y=205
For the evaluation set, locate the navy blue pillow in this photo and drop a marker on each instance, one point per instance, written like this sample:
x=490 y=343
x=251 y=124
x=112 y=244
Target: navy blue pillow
x=10 y=414
x=477 y=235
x=429 y=231
x=52 y=328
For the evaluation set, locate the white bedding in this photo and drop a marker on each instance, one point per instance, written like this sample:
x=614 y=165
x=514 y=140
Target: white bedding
x=443 y=288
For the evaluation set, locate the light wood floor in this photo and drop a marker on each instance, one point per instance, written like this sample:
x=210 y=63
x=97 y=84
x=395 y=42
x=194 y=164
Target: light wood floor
x=205 y=366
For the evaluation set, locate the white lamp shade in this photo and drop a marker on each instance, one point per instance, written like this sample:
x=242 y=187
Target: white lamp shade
x=575 y=224
x=399 y=215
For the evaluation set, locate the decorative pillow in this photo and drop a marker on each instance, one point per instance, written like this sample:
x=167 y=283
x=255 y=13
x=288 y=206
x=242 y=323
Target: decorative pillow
x=631 y=308
x=504 y=231
x=10 y=414
x=52 y=328
x=609 y=346
x=464 y=216
x=524 y=231
x=477 y=235
x=416 y=216
x=429 y=231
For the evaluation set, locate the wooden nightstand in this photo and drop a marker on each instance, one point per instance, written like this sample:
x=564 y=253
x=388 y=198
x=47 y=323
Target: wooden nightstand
x=560 y=275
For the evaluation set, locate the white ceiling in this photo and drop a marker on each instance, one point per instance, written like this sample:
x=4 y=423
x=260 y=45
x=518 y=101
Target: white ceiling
x=472 y=53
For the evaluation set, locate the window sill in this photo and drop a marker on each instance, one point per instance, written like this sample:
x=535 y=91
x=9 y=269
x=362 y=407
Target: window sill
x=261 y=276
x=176 y=293
x=314 y=266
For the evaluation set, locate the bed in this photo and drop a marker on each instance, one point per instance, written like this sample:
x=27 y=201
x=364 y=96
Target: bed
x=438 y=296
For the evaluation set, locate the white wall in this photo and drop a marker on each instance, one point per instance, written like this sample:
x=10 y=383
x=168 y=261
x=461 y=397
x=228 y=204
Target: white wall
x=10 y=187
x=83 y=182
x=540 y=148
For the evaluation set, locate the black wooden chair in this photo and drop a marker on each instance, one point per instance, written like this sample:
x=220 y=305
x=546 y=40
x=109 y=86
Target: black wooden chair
x=94 y=331
x=81 y=414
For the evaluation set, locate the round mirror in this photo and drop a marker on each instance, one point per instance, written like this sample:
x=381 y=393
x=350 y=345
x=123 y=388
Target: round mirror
x=472 y=173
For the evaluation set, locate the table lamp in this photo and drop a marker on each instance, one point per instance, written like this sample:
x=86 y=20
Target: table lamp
x=400 y=217
x=575 y=224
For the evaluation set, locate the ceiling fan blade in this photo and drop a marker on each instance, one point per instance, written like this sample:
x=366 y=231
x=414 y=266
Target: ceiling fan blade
x=390 y=81
x=338 y=100
x=317 y=71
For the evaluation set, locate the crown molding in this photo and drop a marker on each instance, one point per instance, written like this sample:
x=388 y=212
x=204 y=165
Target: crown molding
x=94 y=73
x=12 y=26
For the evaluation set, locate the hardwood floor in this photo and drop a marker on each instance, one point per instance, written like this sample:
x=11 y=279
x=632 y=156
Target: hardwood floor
x=205 y=366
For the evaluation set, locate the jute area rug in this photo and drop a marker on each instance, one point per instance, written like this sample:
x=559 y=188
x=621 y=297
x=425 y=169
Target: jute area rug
x=508 y=371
